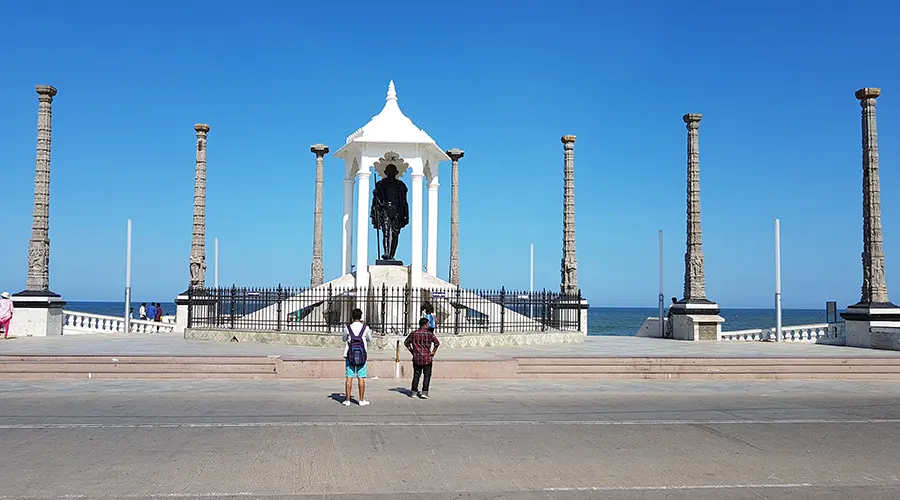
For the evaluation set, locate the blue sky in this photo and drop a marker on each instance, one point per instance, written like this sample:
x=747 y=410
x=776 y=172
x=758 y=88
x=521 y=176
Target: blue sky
x=780 y=136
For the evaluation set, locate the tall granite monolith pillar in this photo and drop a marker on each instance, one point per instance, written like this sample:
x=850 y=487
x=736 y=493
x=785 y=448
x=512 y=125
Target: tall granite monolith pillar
x=694 y=317
x=38 y=310
x=874 y=311
x=196 y=293
x=317 y=272
x=455 y=155
x=571 y=312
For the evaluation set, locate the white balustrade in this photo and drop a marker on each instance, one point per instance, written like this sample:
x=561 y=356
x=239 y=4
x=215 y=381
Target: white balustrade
x=824 y=333
x=77 y=323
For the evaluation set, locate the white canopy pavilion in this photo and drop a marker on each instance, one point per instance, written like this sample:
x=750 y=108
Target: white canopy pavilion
x=390 y=138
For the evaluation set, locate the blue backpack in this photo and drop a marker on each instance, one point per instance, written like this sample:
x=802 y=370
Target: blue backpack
x=356 y=353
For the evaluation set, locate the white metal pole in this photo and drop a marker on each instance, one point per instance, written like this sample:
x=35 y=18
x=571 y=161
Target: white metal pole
x=531 y=285
x=216 y=266
x=128 y=280
x=662 y=319
x=777 y=280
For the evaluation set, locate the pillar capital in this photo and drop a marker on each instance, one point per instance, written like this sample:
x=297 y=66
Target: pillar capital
x=45 y=91
x=568 y=140
x=692 y=119
x=201 y=128
x=319 y=150
x=455 y=154
x=868 y=93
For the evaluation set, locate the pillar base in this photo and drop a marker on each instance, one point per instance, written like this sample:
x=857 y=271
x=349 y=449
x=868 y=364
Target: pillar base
x=873 y=325
x=37 y=314
x=565 y=311
x=696 y=319
x=203 y=307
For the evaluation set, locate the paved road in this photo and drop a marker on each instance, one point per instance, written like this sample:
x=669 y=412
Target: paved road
x=511 y=440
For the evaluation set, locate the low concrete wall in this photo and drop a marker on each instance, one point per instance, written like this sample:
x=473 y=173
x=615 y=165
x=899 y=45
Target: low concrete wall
x=333 y=340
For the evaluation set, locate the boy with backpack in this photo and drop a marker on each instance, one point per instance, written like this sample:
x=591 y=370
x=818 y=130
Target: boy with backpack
x=356 y=336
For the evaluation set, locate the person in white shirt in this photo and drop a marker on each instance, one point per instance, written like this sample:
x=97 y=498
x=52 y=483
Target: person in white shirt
x=356 y=339
x=142 y=312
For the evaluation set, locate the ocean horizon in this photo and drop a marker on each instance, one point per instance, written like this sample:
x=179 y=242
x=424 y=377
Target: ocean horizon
x=614 y=321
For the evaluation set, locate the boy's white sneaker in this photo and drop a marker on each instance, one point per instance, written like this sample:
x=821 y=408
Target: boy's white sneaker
x=363 y=402
x=346 y=402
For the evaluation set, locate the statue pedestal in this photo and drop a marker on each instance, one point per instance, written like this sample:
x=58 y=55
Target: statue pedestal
x=388 y=262
x=37 y=314
x=696 y=320
x=862 y=318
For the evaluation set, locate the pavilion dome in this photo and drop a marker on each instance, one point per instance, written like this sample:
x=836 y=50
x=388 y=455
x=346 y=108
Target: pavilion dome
x=390 y=125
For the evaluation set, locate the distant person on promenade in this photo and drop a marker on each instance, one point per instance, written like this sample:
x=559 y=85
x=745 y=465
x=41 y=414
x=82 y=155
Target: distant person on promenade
x=6 y=313
x=356 y=337
x=159 y=313
x=428 y=313
x=423 y=345
x=131 y=312
x=142 y=312
x=151 y=312
x=669 y=319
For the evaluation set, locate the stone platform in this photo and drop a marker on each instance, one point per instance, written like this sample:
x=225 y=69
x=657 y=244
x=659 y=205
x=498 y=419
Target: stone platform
x=387 y=342
x=163 y=356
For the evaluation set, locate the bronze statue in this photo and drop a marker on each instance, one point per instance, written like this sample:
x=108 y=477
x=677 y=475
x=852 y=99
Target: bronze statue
x=390 y=212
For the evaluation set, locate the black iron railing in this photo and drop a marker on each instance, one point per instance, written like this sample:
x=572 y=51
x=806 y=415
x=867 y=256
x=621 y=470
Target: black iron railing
x=387 y=310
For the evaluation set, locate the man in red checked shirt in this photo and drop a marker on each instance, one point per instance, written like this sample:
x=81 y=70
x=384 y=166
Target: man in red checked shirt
x=423 y=345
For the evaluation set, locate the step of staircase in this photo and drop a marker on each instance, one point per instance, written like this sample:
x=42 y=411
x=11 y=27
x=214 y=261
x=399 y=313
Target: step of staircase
x=137 y=367
x=835 y=368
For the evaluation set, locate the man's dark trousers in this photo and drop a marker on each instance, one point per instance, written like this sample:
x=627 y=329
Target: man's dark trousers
x=419 y=370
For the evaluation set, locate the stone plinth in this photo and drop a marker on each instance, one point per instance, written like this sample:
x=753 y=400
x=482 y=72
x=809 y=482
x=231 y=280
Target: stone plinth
x=862 y=319
x=388 y=342
x=203 y=306
x=696 y=321
x=37 y=315
x=885 y=338
x=568 y=312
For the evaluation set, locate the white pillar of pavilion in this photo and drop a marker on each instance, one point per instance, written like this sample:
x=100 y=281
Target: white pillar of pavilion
x=431 y=263
x=390 y=138
x=347 y=228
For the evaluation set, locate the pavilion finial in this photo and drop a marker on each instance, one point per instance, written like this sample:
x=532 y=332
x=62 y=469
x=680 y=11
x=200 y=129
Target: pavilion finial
x=392 y=92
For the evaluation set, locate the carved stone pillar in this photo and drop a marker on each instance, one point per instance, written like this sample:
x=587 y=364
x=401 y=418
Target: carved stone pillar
x=198 y=236
x=694 y=270
x=38 y=310
x=874 y=308
x=38 y=280
x=569 y=265
x=694 y=317
x=455 y=155
x=317 y=274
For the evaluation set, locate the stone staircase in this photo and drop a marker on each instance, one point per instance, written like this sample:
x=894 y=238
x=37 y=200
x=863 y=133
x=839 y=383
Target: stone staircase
x=137 y=367
x=793 y=368
x=523 y=368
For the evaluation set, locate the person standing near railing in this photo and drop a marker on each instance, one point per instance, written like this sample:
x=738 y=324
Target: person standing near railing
x=6 y=313
x=423 y=345
x=142 y=312
x=159 y=313
x=428 y=313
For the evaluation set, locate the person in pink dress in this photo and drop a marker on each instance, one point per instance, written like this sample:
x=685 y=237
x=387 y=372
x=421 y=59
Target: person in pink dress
x=6 y=313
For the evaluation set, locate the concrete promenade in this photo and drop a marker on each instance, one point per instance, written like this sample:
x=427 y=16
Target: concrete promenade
x=146 y=440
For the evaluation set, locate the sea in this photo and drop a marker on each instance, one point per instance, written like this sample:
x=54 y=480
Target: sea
x=619 y=321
